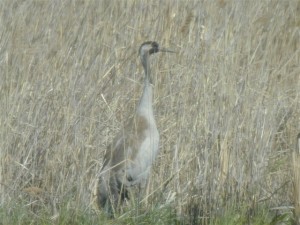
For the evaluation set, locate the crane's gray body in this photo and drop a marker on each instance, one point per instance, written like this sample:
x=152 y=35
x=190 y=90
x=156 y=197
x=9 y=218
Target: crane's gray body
x=129 y=158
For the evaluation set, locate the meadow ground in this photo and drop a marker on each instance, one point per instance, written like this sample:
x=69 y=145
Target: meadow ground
x=226 y=104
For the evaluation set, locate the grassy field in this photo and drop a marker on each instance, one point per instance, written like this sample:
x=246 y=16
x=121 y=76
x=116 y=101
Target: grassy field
x=227 y=106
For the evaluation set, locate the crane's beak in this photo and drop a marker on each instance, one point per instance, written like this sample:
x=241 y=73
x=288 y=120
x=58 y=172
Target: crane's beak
x=166 y=50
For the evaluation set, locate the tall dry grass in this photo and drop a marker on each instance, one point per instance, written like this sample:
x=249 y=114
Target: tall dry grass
x=296 y=180
x=227 y=105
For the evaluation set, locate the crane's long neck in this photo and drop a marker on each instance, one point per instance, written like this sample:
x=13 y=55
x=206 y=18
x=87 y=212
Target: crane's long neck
x=145 y=104
x=146 y=65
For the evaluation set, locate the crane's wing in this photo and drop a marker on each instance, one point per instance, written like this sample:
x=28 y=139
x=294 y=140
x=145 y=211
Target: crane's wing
x=126 y=144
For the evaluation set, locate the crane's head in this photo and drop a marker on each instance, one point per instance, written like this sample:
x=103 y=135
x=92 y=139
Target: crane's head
x=150 y=47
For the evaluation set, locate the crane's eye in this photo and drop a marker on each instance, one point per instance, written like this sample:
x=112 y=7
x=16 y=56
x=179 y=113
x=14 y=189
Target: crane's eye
x=155 y=48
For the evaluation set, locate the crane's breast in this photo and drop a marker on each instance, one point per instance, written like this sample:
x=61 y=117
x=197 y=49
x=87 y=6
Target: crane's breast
x=139 y=167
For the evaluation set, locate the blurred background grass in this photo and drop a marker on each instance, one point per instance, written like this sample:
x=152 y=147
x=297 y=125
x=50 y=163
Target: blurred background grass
x=227 y=104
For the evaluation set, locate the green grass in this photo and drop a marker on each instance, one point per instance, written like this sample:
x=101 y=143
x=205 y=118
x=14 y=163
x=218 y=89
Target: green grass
x=227 y=107
x=20 y=214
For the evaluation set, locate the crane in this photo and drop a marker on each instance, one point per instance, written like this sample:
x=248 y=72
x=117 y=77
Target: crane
x=128 y=159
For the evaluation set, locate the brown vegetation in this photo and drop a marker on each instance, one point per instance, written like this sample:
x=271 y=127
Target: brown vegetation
x=226 y=105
